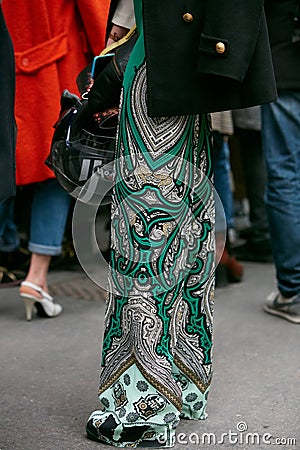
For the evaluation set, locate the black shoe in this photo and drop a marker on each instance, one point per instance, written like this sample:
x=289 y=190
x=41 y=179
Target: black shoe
x=254 y=251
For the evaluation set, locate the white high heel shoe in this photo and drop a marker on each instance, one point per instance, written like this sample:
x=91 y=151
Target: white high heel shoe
x=34 y=295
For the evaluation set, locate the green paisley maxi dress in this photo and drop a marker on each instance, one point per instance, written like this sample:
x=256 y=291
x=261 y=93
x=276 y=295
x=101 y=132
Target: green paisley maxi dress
x=157 y=349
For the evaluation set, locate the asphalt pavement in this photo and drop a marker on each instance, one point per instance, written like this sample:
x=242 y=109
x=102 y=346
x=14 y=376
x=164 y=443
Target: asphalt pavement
x=50 y=369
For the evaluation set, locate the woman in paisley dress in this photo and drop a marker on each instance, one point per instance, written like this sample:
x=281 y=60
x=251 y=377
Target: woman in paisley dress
x=156 y=356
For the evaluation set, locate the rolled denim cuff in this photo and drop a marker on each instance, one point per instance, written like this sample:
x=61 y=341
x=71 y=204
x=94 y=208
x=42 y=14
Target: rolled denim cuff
x=44 y=249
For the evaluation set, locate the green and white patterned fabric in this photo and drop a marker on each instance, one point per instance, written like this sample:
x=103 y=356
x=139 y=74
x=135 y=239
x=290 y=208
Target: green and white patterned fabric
x=157 y=348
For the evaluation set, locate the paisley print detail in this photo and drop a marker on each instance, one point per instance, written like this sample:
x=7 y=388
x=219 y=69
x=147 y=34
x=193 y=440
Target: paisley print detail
x=157 y=347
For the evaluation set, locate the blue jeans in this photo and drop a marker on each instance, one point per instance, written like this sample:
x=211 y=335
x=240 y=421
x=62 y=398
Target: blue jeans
x=221 y=168
x=49 y=212
x=281 y=144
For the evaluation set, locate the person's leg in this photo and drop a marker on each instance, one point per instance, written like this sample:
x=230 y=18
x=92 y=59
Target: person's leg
x=38 y=270
x=10 y=255
x=193 y=317
x=228 y=268
x=221 y=169
x=257 y=246
x=49 y=211
x=255 y=179
x=281 y=143
x=139 y=396
x=9 y=238
x=50 y=207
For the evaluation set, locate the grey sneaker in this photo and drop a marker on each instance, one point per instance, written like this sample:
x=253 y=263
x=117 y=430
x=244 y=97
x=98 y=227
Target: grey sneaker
x=287 y=308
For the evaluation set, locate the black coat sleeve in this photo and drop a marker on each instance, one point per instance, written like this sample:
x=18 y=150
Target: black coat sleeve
x=235 y=24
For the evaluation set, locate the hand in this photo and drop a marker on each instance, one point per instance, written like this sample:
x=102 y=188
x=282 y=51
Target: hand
x=106 y=90
x=116 y=34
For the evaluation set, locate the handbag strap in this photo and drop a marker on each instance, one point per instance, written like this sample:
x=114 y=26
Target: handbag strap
x=119 y=42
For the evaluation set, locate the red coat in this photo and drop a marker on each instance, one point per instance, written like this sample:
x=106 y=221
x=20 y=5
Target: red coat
x=53 y=41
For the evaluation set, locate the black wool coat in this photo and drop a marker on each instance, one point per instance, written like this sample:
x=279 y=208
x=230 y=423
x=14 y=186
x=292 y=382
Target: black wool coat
x=206 y=55
x=7 y=120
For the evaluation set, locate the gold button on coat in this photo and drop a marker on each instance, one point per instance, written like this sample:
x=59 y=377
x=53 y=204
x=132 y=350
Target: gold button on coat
x=220 y=47
x=187 y=17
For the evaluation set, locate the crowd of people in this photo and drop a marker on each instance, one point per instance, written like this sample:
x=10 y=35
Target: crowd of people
x=182 y=110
